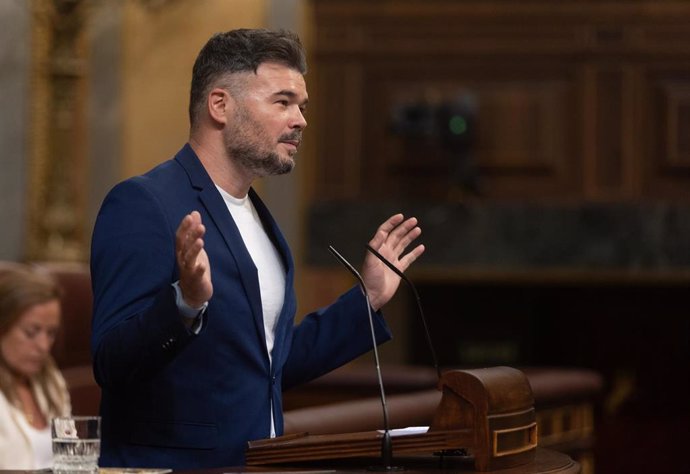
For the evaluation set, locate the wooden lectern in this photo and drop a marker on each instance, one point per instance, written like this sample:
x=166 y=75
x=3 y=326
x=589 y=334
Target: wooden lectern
x=487 y=412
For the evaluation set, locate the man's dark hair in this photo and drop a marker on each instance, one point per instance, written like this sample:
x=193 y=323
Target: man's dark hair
x=241 y=50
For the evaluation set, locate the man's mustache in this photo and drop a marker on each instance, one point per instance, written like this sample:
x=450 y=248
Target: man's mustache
x=294 y=136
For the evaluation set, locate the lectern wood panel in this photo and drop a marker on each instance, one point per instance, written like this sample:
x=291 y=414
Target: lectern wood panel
x=489 y=412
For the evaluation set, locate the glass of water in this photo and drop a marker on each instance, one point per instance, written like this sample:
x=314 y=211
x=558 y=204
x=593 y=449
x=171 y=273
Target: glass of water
x=76 y=444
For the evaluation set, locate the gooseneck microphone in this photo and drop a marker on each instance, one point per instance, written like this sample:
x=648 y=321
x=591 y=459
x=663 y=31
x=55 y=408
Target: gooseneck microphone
x=419 y=304
x=386 y=441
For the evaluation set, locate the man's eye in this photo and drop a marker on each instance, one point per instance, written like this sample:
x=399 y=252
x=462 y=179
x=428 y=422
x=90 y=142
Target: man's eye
x=284 y=103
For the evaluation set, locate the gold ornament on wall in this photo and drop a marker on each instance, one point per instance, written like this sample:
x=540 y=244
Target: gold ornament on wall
x=58 y=166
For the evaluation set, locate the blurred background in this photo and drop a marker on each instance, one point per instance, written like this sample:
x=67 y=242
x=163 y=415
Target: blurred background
x=543 y=145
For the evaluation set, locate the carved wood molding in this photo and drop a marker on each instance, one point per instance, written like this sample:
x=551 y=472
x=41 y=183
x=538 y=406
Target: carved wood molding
x=57 y=138
x=473 y=27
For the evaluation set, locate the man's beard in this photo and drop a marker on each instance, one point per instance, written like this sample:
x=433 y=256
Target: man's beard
x=260 y=163
x=246 y=148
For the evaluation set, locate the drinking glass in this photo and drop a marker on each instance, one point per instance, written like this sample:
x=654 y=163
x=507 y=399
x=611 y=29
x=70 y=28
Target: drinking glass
x=76 y=444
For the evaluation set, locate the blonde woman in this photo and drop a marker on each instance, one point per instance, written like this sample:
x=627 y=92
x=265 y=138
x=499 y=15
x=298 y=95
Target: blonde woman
x=32 y=390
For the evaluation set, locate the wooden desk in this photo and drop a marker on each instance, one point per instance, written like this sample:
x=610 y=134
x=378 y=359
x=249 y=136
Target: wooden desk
x=545 y=462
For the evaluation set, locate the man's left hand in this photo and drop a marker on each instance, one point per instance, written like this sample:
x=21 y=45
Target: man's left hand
x=391 y=240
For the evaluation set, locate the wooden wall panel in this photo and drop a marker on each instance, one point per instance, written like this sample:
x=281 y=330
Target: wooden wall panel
x=526 y=130
x=666 y=160
x=608 y=117
x=339 y=113
x=677 y=106
x=575 y=100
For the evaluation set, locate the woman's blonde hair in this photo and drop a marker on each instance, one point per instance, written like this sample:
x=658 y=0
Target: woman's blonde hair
x=22 y=287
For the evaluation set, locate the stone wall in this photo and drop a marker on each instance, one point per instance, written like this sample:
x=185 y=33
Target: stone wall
x=14 y=73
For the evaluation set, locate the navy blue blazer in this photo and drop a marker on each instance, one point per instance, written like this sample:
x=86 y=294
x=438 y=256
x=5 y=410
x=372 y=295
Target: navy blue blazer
x=174 y=399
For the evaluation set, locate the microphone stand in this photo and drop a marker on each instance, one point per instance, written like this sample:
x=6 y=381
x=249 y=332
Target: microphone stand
x=386 y=441
x=395 y=270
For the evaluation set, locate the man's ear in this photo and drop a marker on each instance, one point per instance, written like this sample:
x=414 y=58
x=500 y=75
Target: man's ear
x=219 y=104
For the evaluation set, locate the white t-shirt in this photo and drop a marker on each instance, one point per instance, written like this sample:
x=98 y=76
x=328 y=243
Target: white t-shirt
x=269 y=265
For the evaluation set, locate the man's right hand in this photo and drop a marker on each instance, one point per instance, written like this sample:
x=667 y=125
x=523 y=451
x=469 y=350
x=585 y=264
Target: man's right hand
x=192 y=261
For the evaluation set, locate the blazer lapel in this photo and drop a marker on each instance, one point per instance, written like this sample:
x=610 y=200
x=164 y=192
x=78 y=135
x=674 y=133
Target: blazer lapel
x=289 y=304
x=218 y=211
x=274 y=234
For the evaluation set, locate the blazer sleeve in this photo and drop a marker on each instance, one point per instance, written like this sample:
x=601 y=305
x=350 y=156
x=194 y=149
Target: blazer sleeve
x=136 y=326
x=331 y=337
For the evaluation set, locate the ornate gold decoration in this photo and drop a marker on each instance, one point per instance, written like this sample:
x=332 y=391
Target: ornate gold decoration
x=57 y=191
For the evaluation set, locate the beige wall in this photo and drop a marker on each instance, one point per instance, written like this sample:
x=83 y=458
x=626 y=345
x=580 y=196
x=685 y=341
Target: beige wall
x=159 y=48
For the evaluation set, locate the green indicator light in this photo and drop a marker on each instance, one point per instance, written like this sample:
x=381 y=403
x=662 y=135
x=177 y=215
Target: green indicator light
x=457 y=125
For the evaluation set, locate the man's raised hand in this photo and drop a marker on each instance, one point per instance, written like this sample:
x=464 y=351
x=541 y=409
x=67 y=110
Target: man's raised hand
x=391 y=240
x=192 y=261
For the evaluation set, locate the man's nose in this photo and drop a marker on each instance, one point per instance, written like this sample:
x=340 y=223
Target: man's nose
x=298 y=120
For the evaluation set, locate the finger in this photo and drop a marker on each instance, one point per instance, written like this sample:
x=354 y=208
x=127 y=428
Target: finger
x=403 y=228
x=198 y=268
x=409 y=258
x=407 y=239
x=385 y=229
x=403 y=235
x=183 y=228
x=194 y=245
x=189 y=240
x=181 y=239
x=402 y=231
x=188 y=227
x=195 y=217
x=190 y=220
x=194 y=230
x=390 y=224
